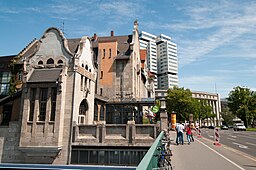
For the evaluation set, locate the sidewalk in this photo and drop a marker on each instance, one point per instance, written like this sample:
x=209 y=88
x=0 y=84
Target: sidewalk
x=202 y=155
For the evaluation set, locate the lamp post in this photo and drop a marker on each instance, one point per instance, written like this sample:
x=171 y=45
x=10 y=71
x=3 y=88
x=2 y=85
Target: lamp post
x=163 y=115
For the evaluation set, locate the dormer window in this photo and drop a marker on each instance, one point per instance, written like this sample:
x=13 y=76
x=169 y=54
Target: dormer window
x=50 y=61
x=40 y=62
x=60 y=62
x=86 y=67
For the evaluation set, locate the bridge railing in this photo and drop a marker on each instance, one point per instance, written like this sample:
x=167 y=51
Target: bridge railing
x=149 y=161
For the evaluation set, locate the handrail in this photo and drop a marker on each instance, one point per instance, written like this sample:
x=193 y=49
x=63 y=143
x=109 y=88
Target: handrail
x=149 y=161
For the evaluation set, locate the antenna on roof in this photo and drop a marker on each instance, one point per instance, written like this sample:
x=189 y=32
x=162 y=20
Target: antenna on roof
x=63 y=28
x=215 y=88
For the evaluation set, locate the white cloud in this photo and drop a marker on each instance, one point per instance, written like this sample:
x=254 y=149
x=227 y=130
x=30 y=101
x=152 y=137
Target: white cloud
x=220 y=24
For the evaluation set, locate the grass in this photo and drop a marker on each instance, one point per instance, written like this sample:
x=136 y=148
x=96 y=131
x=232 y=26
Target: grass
x=251 y=129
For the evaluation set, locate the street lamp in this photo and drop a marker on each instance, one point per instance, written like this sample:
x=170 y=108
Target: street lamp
x=163 y=115
x=163 y=104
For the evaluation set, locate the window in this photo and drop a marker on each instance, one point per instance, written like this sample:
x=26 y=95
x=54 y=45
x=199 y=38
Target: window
x=81 y=83
x=4 y=82
x=42 y=103
x=85 y=83
x=109 y=53
x=53 y=103
x=50 y=61
x=60 y=62
x=19 y=75
x=104 y=53
x=40 y=62
x=86 y=67
x=83 y=107
x=101 y=91
x=32 y=103
x=101 y=75
x=7 y=114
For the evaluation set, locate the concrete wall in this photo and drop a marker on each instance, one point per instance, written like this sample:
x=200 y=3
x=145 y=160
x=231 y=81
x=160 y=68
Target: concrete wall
x=114 y=135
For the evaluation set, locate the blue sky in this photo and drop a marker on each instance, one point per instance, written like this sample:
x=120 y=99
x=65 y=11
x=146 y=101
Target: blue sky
x=216 y=39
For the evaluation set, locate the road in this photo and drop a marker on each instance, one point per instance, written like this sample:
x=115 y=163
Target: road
x=203 y=154
x=244 y=141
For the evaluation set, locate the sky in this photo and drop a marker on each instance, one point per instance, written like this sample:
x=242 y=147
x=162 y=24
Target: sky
x=216 y=39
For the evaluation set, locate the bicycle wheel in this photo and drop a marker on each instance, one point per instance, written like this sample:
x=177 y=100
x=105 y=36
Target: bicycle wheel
x=167 y=164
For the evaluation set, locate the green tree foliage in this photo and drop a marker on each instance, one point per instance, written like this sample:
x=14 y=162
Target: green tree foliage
x=242 y=103
x=227 y=116
x=204 y=110
x=180 y=100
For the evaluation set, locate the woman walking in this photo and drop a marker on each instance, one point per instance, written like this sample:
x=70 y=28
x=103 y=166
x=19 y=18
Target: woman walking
x=188 y=133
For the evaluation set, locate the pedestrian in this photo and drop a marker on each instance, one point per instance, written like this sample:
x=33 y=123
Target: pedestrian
x=192 y=133
x=179 y=131
x=188 y=133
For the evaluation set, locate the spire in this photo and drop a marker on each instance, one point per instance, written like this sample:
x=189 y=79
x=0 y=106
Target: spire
x=136 y=24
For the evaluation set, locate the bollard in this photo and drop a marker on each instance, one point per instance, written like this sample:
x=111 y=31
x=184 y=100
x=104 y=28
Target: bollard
x=217 y=137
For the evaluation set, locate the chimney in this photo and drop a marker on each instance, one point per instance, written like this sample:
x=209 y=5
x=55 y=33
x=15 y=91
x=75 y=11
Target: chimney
x=112 y=33
x=94 y=36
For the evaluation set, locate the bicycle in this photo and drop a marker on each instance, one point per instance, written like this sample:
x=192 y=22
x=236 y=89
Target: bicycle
x=164 y=160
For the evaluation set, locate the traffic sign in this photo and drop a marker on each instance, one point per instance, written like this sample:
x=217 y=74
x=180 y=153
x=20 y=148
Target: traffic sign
x=155 y=109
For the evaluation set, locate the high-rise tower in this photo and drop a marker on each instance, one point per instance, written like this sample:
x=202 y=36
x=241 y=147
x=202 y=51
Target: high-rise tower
x=161 y=59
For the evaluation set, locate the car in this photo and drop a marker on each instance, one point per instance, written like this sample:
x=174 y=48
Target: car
x=239 y=126
x=211 y=127
x=223 y=127
x=230 y=126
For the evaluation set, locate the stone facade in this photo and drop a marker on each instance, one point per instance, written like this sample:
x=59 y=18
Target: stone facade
x=58 y=89
x=57 y=111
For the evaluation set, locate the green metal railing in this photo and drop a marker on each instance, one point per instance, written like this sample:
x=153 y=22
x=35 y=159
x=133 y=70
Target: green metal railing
x=149 y=161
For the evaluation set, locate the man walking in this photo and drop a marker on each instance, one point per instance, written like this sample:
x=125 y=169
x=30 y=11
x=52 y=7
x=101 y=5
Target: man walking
x=179 y=130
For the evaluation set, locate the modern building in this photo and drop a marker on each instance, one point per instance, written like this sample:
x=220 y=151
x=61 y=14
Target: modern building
x=212 y=99
x=161 y=59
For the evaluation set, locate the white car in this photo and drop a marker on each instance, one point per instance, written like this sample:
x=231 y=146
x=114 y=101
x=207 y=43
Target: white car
x=239 y=126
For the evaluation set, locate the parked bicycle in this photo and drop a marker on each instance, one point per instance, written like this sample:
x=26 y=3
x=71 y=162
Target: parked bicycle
x=164 y=158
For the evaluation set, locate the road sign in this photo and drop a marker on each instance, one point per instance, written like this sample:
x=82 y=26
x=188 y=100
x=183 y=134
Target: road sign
x=155 y=109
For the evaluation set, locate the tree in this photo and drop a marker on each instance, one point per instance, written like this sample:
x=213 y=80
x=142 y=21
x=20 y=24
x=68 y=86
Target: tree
x=180 y=101
x=241 y=102
x=204 y=111
x=227 y=116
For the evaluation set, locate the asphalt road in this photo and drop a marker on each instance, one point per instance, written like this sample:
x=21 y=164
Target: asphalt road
x=244 y=141
x=202 y=154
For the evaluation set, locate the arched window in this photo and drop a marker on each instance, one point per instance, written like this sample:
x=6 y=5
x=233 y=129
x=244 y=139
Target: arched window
x=83 y=65
x=50 y=61
x=90 y=70
x=86 y=67
x=40 y=62
x=95 y=112
x=83 y=107
x=102 y=110
x=60 y=62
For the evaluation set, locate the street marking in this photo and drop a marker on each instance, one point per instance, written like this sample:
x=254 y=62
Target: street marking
x=240 y=145
x=246 y=136
x=233 y=136
x=210 y=136
x=221 y=155
x=231 y=139
x=234 y=150
x=251 y=144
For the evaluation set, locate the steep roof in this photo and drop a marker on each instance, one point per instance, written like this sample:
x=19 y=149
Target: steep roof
x=73 y=44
